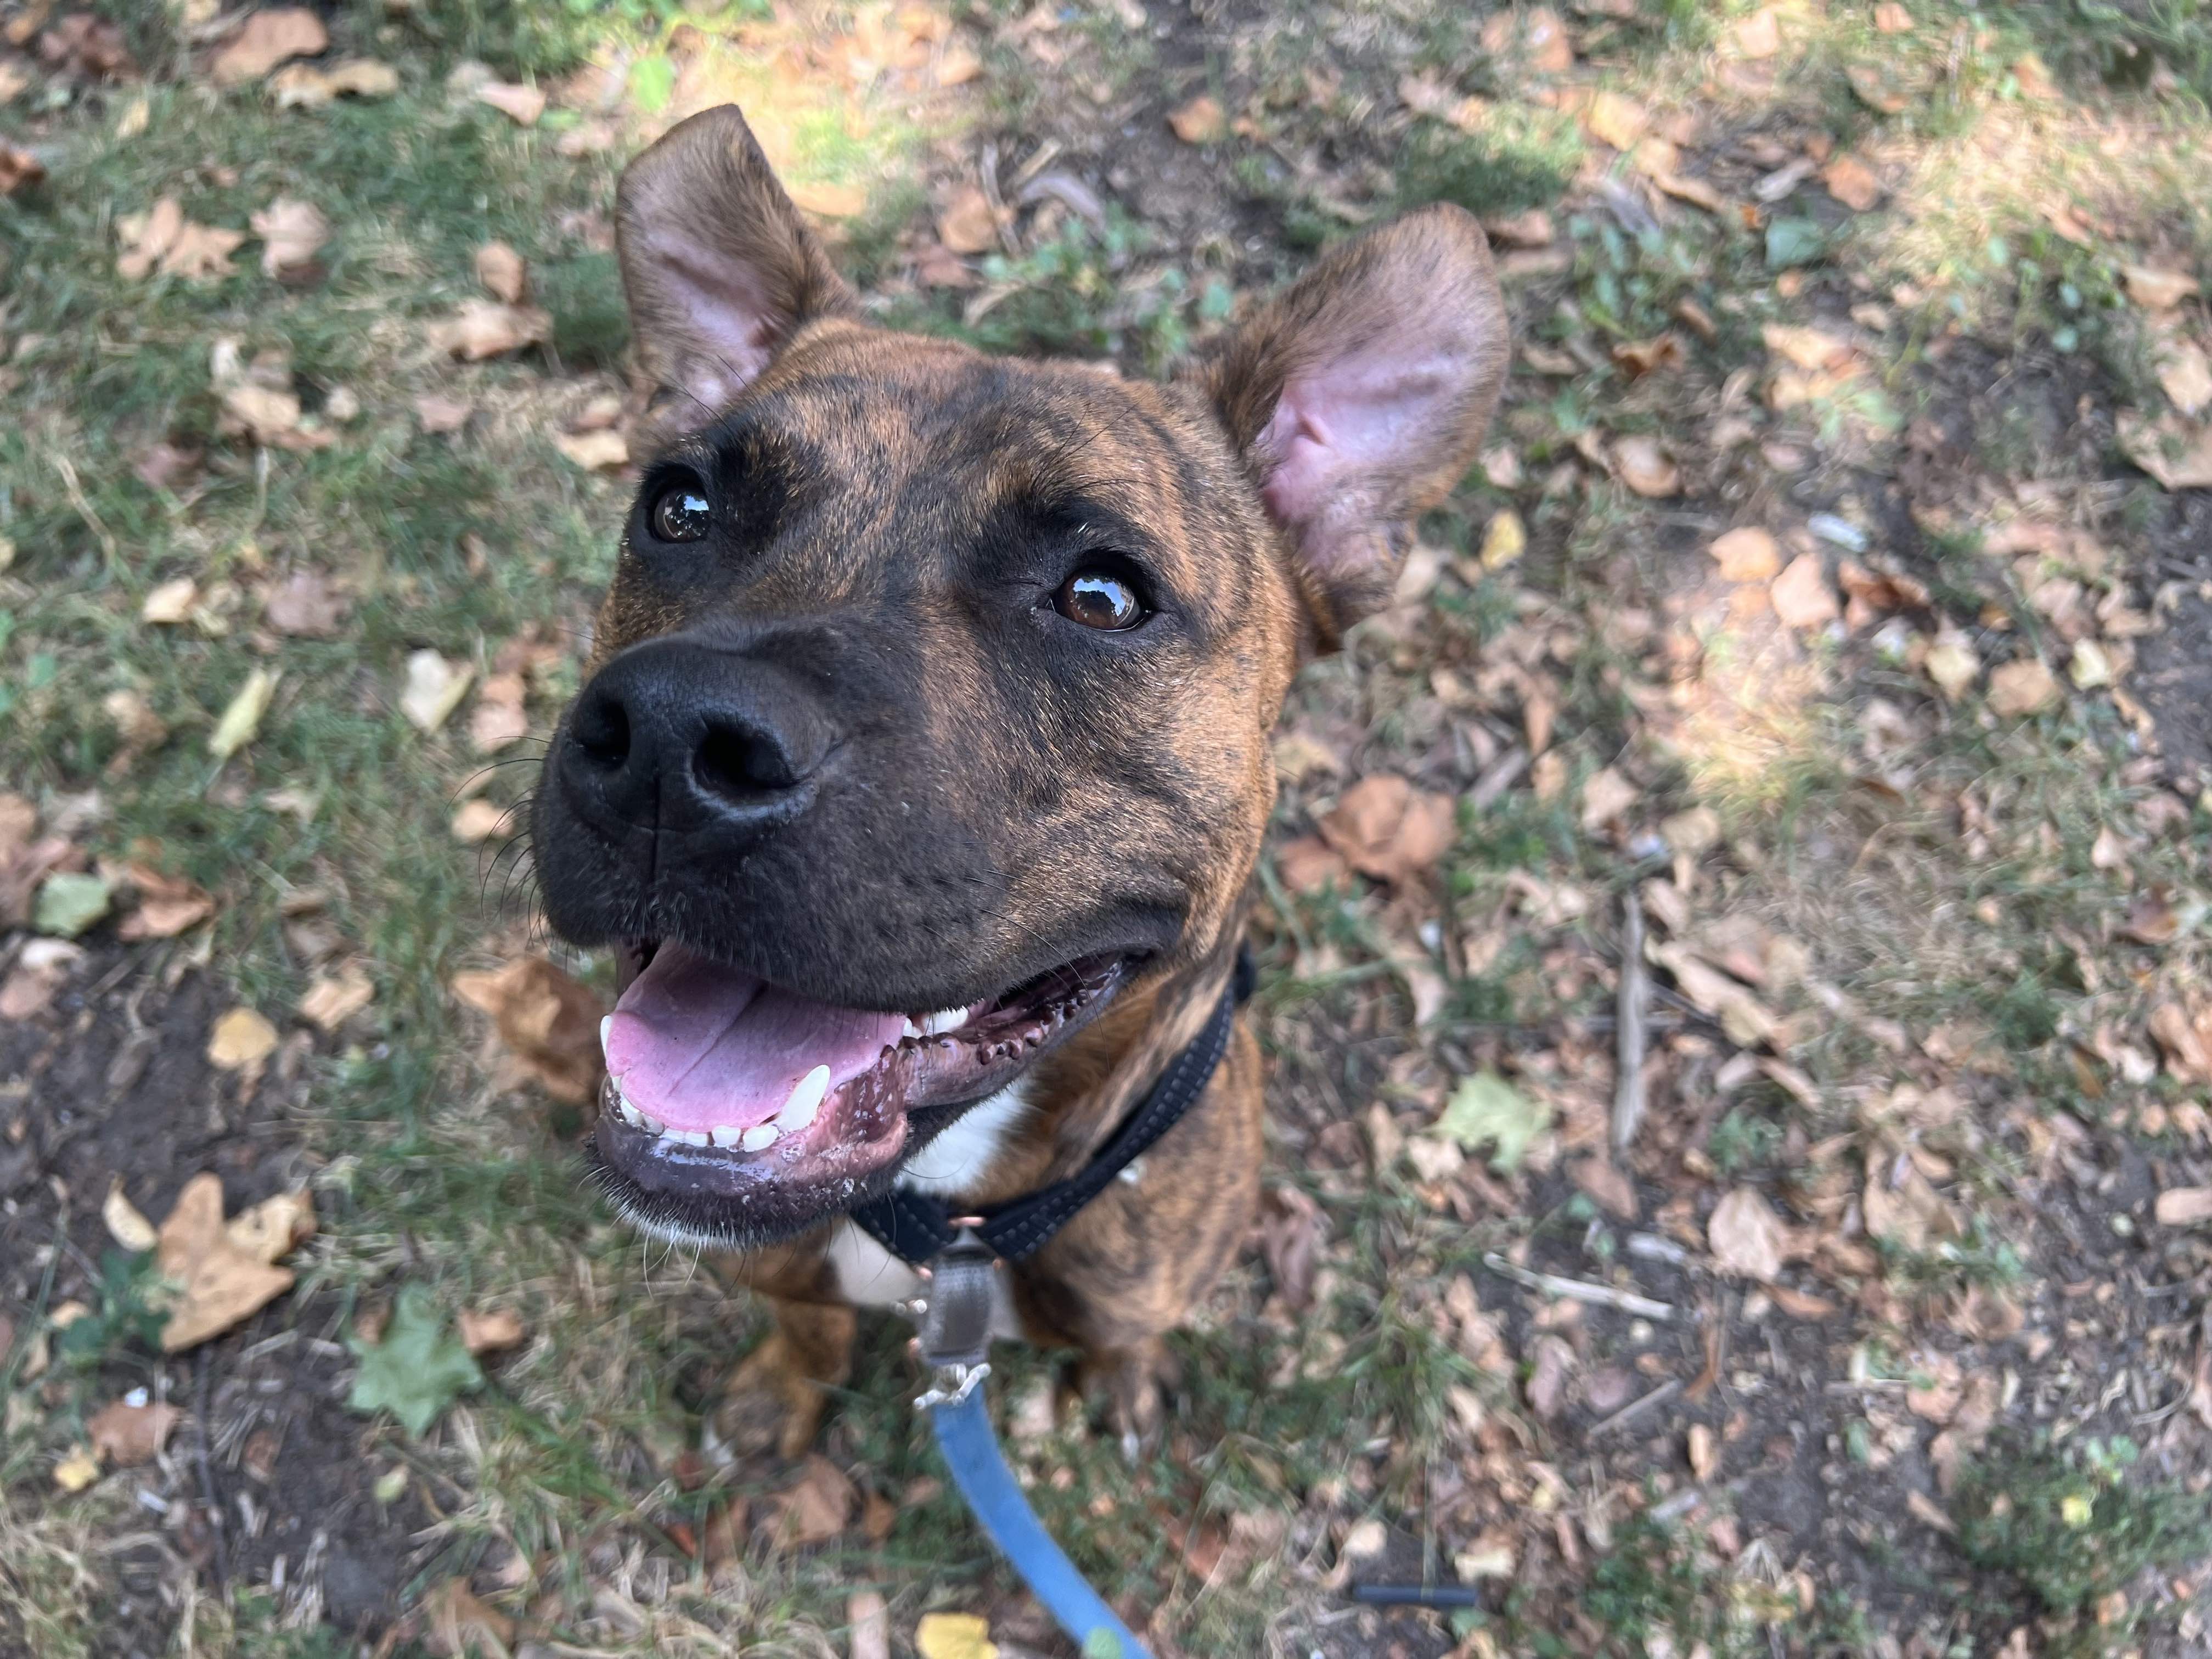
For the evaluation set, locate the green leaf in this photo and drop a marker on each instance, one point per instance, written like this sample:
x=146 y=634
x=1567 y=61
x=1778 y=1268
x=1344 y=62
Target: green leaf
x=1485 y=1109
x=1794 y=242
x=67 y=904
x=653 y=82
x=418 y=1368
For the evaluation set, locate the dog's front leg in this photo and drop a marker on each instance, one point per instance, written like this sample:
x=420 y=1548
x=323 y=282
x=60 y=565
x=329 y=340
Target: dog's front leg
x=774 y=1400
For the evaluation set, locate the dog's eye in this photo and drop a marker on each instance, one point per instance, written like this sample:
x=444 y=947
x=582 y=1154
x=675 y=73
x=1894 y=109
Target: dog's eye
x=1100 y=598
x=679 y=513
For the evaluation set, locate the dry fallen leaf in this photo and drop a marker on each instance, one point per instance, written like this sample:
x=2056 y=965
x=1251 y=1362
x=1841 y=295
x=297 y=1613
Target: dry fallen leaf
x=485 y=328
x=828 y=201
x=1747 y=554
x=334 y=999
x=1200 y=121
x=305 y=605
x=2021 y=688
x=1746 y=1236
x=76 y=1471
x=503 y=272
x=1801 y=594
x=127 y=1435
x=2157 y=289
x=520 y=103
x=292 y=232
x=1705 y=1452
x=221 y=1283
x=479 y=820
x=1953 y=663
x=1758 y=35
x=1385 y=828
x=492 y=1332
x=1892 y=18
x=167 y=905
x=273 y=1228
x=2175 y=452
x=954 y=1635
x=304 y=85
x=161 y=238
x=435 y=689
x=816 y=1509
x=1605 y=797
x=460 y=1625
x=124 y=1225
x=2185 y=374
x=1851 y=182
x=1615 y=120
x=241 y=1038
x=268 y=38
x=2184 y=1206
x=19 y=168
x=548 y=1023
x=1643 y=466
x=442 y=414
x=594 y=452
x=2186 y=1043
x=868 y=1620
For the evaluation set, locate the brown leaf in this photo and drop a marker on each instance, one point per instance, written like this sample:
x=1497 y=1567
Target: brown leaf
x=167 y=905
x=1747 y=554
x=1758 y=35
x=815 y=1510
x=520 y=103
x=969 y=224
x=1802 y=596
x=1308 y=864
x=305 y=605
x=1385 y=828
x=1640 y=357
x=304 y=85
x=1746 y=1236
x=459 y=1625
x=2186 y=1043
x=1615 y=120
x=1291 y=1227
x=594 y=452
x=504 y=274
x=479 y=820
x=2184 y=1206
x=2021 y=688
x=334 y=999
x=829 y=201
x=1644 y=467
x=2157 y=289
x=485 y=328
x=1200 y=121
x=1605 y=797
x=1607 y=1186
x=495 y=1331
x=19 y=168
x=1800 y=1304
x=1705 y=1452
x=222 y=1285
x=548 y=1021
x=126 y=1435
x=161 y=238
x=936 y=265
x=442 y=414
x=1851 y=182
x=270 y=37
x=292 y=232
x=271 y=1230
x=1878 y=89
x=1536 y=35
x=1892 y=18
x=2185 y=375
x=2177 y=453
x=1808 y=349
x=499 y=718
x=1553 y=1362
x=240 y=1039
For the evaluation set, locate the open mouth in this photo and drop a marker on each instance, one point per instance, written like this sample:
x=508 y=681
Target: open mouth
x=735 y=1111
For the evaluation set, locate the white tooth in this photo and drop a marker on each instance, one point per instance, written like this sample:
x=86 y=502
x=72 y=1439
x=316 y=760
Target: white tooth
x=650 y=1125
x=689 y=1137
x=606 y=1025
x=726 y=1135
x=805 y=1100
x=760 y=1135
x=631 y=1116
x=946 y=1019
x=910 y=1030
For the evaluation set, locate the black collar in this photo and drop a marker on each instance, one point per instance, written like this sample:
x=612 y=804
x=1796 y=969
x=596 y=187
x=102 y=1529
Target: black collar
x=915 y=1226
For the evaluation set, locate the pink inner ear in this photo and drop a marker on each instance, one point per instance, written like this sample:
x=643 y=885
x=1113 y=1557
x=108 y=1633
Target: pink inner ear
x=728 y=327
x=1341 y=430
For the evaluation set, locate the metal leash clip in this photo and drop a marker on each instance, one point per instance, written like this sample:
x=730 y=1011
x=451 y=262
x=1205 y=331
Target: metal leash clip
x=956 y=1318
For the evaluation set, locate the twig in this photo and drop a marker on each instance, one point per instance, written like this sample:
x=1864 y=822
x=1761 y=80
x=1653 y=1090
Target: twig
x=1629 y=1035
x=208 y=1494
x=1497 y=778
x=1577 y=1290
x=1636 y=1409
x=75 y=490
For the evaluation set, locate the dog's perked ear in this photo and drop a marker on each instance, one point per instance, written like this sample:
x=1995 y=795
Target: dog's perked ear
x=718 y=266
x=1359 y=397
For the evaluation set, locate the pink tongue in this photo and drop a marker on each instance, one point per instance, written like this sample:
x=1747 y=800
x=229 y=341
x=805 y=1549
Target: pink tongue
x=700 y=1046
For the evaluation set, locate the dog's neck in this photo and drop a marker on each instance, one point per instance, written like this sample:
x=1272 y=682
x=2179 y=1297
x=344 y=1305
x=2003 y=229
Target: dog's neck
x=1048 y=1125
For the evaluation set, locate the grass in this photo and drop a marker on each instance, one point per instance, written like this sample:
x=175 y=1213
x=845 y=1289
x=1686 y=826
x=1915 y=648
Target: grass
x=1290 y=1426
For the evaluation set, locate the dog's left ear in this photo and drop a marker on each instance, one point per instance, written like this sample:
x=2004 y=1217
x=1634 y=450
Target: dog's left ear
x=718 y=266
x=1358 y=397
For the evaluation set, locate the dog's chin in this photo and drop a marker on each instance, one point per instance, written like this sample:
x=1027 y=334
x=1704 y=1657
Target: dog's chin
x=735 y=1114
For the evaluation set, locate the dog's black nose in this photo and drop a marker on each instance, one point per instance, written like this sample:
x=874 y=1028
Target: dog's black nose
x=678 y=734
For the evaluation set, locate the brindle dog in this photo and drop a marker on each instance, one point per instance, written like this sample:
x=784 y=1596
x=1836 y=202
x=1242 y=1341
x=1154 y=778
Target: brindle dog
x=924 y=758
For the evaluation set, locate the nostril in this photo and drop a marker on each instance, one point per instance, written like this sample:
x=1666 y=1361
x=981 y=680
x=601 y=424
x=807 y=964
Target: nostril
x=602 y=732
x=735 y=762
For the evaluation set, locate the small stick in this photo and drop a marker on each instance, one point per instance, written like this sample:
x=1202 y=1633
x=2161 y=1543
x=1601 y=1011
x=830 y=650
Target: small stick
x=1636 y=1409
x=1577 y=1290
x=1629 y=1033
x=208 y=1494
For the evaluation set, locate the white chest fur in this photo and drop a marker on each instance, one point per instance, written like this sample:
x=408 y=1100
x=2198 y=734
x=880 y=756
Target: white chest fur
x=870 y=1276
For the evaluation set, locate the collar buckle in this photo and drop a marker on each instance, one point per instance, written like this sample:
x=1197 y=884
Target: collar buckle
x=956 y=1318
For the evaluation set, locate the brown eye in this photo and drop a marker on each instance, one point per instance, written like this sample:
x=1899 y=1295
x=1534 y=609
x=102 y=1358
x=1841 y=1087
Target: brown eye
x=1100 y=599
x=679 y=514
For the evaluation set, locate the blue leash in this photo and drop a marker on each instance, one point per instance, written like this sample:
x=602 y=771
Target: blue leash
x=994 y=1498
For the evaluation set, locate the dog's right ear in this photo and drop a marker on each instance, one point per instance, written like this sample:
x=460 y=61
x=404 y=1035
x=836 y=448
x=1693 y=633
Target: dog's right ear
x=717 y=267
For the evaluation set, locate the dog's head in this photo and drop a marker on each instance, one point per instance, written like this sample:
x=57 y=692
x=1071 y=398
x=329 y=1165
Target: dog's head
x=929 y=708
